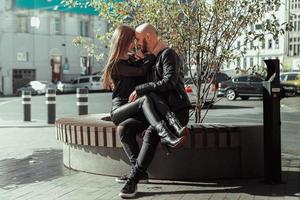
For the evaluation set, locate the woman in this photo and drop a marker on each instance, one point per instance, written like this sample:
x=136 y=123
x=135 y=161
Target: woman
x=122 y=75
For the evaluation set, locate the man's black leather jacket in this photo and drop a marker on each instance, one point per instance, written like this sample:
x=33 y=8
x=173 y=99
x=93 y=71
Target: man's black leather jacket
x=167 y=81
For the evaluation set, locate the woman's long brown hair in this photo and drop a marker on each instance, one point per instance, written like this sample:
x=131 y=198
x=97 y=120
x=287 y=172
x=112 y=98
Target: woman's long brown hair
x=121 y=39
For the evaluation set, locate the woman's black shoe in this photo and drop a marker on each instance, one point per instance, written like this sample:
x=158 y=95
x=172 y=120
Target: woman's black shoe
x=167 y=137
x=181 y=131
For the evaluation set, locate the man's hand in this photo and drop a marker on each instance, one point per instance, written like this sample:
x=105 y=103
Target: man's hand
x=139 y=55
x=133 y=96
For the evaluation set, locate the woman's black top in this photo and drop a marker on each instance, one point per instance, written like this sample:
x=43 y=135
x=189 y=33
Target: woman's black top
x=126 y=75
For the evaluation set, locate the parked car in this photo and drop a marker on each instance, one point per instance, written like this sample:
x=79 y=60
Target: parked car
x=92 y=83
x=218 y=78
x=26 y=87
x=292 y=78
x=212 y=87
x=241 y=86
x=191 y=90
x=36 y=87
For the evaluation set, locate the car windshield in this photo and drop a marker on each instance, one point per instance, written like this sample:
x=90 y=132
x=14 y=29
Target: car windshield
x=241 y=79
x=291 y=77
x=255 y=79
x=283 y=77
x=96 y=79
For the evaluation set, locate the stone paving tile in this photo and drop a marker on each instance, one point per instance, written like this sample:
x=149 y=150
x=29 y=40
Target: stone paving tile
x=291 y=198
x=34 y=171
x=218 y=196
x=244 y=196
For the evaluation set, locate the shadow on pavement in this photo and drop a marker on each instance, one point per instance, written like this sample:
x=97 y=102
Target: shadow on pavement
x=255 y=187
x=44 y=165
x=230 y=107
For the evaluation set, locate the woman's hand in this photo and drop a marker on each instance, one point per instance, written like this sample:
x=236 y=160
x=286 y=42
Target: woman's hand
x=139 y=55
x=132 y=97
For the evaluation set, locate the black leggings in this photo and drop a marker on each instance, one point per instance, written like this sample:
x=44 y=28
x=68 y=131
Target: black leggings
x=149 y=105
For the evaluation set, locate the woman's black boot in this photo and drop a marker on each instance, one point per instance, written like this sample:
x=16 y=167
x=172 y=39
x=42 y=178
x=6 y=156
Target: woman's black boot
x=167 y=137
x=181 y=131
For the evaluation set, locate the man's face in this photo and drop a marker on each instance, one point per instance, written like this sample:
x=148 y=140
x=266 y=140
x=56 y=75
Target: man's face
x=141 y=42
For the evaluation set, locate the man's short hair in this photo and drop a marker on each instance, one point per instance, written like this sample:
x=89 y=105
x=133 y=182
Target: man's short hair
x=146 y=28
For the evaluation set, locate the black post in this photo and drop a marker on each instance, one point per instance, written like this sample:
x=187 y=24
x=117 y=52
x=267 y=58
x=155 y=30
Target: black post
x=272 y=123
x=51 y=101
x=26 y=101
x=82 y=101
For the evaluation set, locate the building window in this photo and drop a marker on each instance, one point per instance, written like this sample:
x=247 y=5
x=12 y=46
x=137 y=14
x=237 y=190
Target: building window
x=251 y=62
x=270 y=44
x=22 y=24
x=251 y=45
x=85 y=28
x=258 y=26
x=277 y=43
x=85 y=65
x=245 y=63
x=238 y=62
x=263 y=44
x=57 y=26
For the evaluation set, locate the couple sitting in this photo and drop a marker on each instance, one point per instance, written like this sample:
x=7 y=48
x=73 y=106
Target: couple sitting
x=148 y=96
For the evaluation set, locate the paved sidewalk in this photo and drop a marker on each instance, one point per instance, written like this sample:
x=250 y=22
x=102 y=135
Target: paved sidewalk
x=31 y=168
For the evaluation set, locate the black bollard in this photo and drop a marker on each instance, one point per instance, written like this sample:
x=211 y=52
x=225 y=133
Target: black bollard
x=272 y=123
x=82 y=101
x=51 y=101
x=26 y=101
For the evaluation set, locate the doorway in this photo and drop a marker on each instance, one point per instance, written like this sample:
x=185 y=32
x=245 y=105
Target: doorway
x=56 y=68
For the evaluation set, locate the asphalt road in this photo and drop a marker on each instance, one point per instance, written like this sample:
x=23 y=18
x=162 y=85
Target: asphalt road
x=224 y=111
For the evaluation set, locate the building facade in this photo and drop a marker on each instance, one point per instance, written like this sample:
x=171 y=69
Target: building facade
x=36 y=42
x=292 y=60
x=286 y=48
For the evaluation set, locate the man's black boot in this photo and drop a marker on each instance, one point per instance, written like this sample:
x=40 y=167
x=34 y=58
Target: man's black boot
x=129 y=190
x=144 y=178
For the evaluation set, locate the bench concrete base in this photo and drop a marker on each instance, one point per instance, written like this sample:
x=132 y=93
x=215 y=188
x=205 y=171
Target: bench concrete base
x=212 y=151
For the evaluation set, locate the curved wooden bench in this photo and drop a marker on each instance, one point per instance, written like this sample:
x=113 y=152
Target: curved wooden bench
x=90 y=144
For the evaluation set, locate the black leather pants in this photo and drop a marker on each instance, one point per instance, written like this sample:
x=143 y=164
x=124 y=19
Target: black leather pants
x=144 y=104
x=133 y=118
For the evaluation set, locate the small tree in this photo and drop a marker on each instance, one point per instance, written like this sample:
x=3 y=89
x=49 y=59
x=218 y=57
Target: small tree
x=203 y=31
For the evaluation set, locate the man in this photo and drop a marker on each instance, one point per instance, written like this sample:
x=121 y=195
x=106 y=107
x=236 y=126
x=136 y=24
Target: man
x=167 y=82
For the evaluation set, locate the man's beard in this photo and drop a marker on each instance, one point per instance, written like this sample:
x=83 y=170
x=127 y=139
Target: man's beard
x=144 y=47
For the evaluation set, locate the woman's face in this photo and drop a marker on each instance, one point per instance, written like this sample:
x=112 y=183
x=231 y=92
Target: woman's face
x=132 y=45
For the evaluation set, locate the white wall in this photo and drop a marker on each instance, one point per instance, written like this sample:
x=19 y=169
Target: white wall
x=41 y=43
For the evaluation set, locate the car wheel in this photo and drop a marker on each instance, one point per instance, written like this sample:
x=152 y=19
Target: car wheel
x=244 y=98
x=230 y=94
